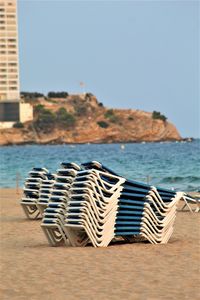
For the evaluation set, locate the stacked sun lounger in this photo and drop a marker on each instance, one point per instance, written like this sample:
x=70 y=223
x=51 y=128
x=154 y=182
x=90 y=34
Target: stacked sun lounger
x=104 y=205
x=54 y=215
x=91 y=204
x=100 y=205
x=45 y=192
x=31 y=192
x=92 y=208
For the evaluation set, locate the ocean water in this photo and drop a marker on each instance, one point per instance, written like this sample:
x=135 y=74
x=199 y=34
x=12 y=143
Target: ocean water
x=170 y=165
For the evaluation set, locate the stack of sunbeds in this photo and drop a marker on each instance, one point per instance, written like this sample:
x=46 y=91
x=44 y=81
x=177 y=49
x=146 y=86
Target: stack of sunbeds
x=32 y=192
x=92 y=208
x=54 y=215
x=100 y=205
x=91 y=204
x=45 y=192
x=103 y=205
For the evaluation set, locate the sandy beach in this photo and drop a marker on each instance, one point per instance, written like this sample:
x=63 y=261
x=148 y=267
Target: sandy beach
x=31 y=269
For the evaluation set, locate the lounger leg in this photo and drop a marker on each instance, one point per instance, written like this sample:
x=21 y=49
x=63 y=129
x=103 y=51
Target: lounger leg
x=186 y=204
x=198 y=206
x=25 y=211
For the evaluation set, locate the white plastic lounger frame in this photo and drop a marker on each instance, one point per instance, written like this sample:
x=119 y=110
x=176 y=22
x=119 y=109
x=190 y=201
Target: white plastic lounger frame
x=31 y=192
x=30 y=208
x=53 y=220
x=187 y=201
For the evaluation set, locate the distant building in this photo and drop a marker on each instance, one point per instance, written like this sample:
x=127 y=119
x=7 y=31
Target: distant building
x=9 y=65
x=11 y=108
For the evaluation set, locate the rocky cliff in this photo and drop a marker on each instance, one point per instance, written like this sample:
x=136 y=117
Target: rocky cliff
x=82 y=119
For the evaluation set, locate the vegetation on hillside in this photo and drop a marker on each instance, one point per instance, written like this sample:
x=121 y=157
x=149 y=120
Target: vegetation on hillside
x=31 y=95
x=111 y=116
x=18 y=125
x=38 y=108
x=103 y=124
x=46 y=120
x=57 y=95
x=80 y=109
x=158 y=115
x=64 y=118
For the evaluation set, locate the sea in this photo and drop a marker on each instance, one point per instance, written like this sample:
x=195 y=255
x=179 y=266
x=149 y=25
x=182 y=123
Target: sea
x=174 y=165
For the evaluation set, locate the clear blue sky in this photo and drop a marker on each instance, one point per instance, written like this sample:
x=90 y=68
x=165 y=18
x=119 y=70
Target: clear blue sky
x=130 y=54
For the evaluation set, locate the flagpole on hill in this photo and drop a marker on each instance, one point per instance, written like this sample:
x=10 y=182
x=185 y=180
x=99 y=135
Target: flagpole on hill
x=82 y=85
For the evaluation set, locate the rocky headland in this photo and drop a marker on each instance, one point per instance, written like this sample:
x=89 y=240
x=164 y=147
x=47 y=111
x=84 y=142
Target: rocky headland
x=82 y=119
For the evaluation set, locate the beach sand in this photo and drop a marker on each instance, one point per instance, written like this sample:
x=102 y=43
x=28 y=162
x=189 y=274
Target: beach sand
x=31 y=269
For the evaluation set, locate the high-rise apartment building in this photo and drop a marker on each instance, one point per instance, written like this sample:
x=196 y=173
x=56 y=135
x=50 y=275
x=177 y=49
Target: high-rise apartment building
x=12 y=109
x=9 y=70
